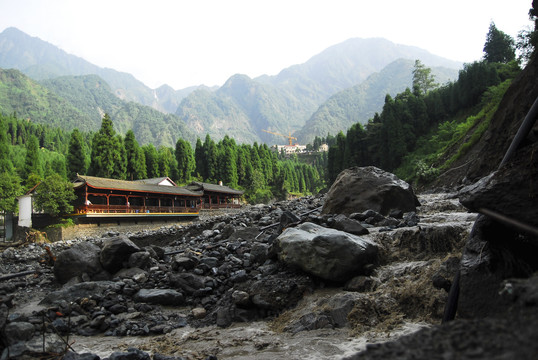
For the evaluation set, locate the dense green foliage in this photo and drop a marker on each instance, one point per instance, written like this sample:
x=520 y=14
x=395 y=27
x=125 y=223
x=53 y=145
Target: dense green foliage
x=76 y=155
x=10 y=189
x=54 y=196
x=107 y=160
x=499 y=47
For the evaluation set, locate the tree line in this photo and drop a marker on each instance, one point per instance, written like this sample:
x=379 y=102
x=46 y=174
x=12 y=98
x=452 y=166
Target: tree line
x=30 y=153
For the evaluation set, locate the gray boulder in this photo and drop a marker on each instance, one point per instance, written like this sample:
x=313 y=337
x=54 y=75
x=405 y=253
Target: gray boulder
x=35 y=347
x=116 y=251
x=508 y=191
x=159 y=296
x=358 y=189
x=188 y=282
x=81 y=258
x=327 y=253
x=141 y=259
x=18 y=331
x=343 y=223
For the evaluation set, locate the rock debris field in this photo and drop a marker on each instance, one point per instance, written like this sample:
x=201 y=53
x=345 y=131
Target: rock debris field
x=238 y=286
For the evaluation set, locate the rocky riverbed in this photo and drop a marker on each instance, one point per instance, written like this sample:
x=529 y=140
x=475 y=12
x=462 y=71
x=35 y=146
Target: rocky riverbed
x=218 y=288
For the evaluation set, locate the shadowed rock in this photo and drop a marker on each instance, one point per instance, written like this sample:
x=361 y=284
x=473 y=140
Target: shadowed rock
x=159 y=296
x=328 y=253
x=79 y=259
x=358 y=189
x=115 y=251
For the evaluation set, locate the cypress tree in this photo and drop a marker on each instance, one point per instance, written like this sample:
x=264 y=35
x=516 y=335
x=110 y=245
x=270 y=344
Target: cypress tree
x=32 y=161
x=165 y=160
x=211 y=156
x=199 y=158
x=76 y=158
x=107 y=159
x=6 y=165
x=185 y=160
x=230 y=166
x=499 y=47
x=136 y=162
x=152 y=161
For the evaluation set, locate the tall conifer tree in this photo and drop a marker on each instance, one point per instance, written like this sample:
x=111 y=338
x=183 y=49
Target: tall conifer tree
x=32 y=161
x=199 y=158
x=107 y=158
x=136 y=161
x=76 y=157
x=6 y=165
x=211 y=156
x=499 y=47
x=185 y=160
x=152 y=161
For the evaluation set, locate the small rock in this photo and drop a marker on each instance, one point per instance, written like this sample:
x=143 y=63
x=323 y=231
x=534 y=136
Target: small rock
x=159 y=296
x=199 y=313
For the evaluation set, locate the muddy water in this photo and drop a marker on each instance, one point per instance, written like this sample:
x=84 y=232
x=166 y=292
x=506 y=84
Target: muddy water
x=242 y=341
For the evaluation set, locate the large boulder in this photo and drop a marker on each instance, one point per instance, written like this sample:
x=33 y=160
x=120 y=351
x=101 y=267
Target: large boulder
x=358 y=189
x=509 y=191
x=81 y=258
x=116 y=251
x=327 y=253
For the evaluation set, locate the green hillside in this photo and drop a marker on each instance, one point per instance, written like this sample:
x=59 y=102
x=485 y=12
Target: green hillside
x=29 y=100
x=80 y=102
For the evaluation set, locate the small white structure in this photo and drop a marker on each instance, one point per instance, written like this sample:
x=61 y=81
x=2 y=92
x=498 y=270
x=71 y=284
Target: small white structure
x=289 y=149
x=25 y=210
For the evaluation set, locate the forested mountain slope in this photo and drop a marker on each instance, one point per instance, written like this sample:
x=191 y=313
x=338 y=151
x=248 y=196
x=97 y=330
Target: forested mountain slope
x=284 y=102
x=80 y=102
x=241 y=108
x=359 y=103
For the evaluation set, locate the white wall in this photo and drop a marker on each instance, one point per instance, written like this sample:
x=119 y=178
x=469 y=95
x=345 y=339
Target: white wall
x=25 y=211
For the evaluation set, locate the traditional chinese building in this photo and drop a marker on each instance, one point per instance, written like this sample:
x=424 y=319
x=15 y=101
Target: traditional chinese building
x=161 y=197
x=217 y=196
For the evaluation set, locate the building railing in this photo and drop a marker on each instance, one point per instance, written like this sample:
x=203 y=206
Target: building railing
x=125 y=209
x=221 y=206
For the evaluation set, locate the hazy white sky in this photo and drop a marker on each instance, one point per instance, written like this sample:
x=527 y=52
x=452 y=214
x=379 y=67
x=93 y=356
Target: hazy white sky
x=192 y=42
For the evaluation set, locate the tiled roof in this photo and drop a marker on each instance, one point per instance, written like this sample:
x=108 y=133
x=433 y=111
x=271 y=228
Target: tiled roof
x=104 y=183
x=197 y=185
x=156 y=181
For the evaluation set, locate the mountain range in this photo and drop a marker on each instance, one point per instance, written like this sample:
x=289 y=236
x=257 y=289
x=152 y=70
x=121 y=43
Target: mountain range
x=343 y=84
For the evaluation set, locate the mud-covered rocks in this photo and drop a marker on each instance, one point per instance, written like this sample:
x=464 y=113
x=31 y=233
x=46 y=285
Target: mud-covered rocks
x=116 y=251
x=18 y=331
x=343 y=223
x=359 y=189
x=159 y=297
x=81 y=258
x=78 y=291
x=330 y=254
